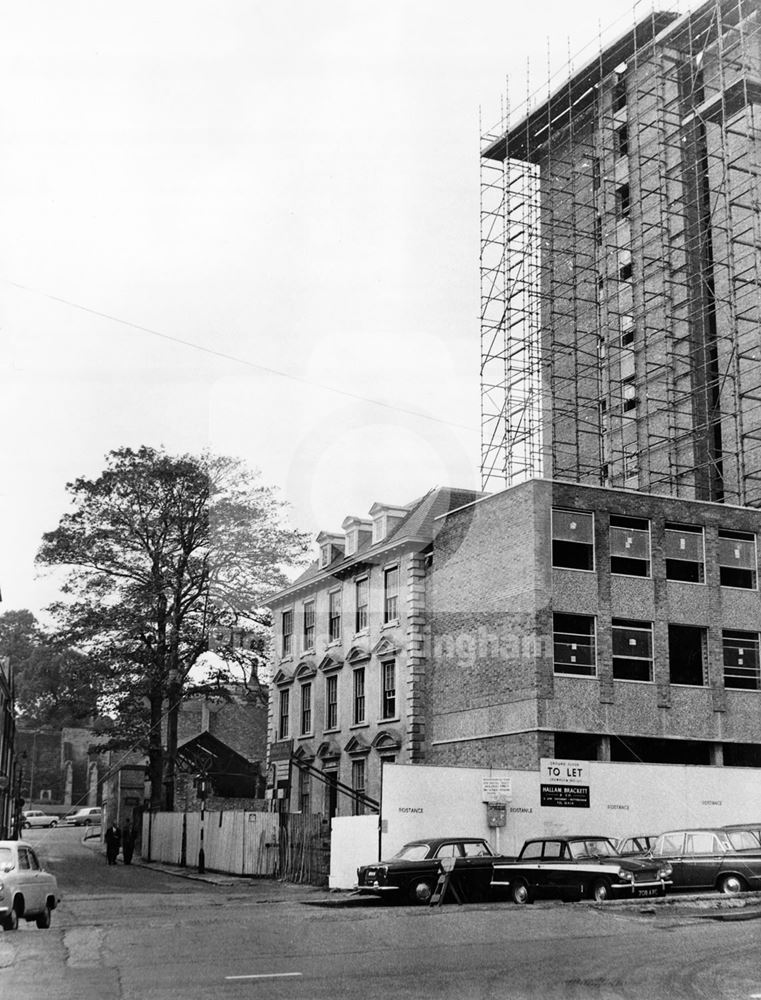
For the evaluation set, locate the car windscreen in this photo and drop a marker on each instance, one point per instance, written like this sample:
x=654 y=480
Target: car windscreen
x=413 y=852
x=592 y=849
x=6 y=856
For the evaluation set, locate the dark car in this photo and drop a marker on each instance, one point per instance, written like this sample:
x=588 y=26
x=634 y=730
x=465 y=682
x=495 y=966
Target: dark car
x=711 y=858
x=413 y=871
x=578 y=868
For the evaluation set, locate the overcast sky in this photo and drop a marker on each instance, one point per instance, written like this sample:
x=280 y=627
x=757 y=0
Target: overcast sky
x=291 y=185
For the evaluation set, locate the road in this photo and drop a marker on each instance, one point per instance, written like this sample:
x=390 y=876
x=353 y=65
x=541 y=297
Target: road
x=132 y=933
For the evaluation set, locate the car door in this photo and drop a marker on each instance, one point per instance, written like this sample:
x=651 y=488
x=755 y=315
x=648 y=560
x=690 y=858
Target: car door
x=703 y=858
x=28 y=882
x=555 y=874
x=453 y=851
x=476 y=864
x=670 y=847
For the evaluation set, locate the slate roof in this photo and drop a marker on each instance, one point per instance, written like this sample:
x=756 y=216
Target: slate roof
x=416 y=526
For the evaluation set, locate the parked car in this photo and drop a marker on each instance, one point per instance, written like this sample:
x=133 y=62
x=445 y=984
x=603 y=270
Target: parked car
x=578 y=868
x=633 y=847
x=27 y=891
x=413 y=872
x=35 y=817
x=711 y=858
x=88 y=816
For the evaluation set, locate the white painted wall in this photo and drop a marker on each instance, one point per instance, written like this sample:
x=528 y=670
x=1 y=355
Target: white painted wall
x=353 y=842
x=625 y=799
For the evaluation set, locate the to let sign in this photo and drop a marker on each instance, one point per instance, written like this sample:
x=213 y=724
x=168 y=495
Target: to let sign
x=496 y=789
x=575 y=772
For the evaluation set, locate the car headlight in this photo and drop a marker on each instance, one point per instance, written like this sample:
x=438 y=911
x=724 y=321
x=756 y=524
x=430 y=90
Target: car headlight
x=626 y=875
x=665 y=871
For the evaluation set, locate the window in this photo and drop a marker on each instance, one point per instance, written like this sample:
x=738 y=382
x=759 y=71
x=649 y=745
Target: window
x=687 y=654
x=622 y=140
x=388 y=689
x=287 y=631
x=574 y=644
x=629 y=546
x=628 y=394
x=702 y=842
x=623 y=201
x=358 y=786
x=598 y=230
x=361 y=593
x=391 y=594
x=741 y=660
x=358 y=715
x=625 y=271
x=683 y=545
x=632 y=650
x=331 y=702
x=627 y=329
x=572 y=539
x=306 y=709
x=737 y=559
x=334 y=615
x=308 y=625
x=326 y=555
x=619 y=94
x=305 y=791
x=284 y=709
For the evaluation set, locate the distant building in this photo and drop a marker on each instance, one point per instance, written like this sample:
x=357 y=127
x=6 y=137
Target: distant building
x=350 y=658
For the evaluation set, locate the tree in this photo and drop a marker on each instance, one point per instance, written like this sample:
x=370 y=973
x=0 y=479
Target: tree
x=54 y=684
x=162 y=552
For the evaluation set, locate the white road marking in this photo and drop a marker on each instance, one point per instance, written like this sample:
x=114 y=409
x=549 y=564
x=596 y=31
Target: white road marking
x=267 y=975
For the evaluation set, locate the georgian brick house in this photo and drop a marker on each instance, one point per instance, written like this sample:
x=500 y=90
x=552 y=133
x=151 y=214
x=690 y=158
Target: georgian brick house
x=350 y=658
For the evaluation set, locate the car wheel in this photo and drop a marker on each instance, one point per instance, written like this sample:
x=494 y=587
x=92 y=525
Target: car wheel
x=10 y=923
x=53 y=823
x=731 y=885
x=87 y=822
x=43 y=920
x=25 y=825
x=519 y=892
x=600 y=890
x=420 y=891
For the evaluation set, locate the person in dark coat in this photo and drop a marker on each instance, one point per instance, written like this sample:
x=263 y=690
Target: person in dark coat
x=113 y=840
x=128 y=842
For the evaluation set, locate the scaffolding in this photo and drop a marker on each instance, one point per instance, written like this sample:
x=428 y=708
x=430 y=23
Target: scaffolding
x=621 y=267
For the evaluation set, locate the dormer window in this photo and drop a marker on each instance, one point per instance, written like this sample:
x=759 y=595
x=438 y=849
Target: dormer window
x=379 y=528
x=326 y=552
x=385 y=519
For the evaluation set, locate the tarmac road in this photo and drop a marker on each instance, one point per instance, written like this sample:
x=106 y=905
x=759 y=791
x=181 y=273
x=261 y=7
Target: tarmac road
x=141 y=934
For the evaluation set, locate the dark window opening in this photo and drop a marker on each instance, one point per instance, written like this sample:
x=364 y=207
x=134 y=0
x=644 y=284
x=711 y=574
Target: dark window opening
x=741 y=667
x=742 y=754
x=625 y=272
x=683 y=544
x=644 y=750
x=629 y=545
x=622 y=140
x=574 y=644
x=619 y=94
x=577 y=746
x=572 y=539
x=737 y=559
x=623 y=201
x=687 y=649
x=632 y=650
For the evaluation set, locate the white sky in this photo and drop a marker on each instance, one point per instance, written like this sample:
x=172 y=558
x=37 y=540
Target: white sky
x=293 y=184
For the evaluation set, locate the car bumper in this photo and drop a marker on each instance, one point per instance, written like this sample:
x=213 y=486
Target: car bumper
x=639 y=890
x=376 y=890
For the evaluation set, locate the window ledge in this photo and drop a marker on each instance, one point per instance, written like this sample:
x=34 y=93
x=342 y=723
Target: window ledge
x=306 y=736
x=696 y=687
x=392 y=624
x=309 y=651
x=362 y=631
x=286 y=659
x=384 y=722
x=333 y=642
x=360 y=725
x=578 y=677
x=630 y=680
x=336 y=729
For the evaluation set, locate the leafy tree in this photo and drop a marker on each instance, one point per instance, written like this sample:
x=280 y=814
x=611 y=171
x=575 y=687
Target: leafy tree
x=54 y=685
x=163 y=552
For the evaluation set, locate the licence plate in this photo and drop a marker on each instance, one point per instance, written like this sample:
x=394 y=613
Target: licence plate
x=647 y=892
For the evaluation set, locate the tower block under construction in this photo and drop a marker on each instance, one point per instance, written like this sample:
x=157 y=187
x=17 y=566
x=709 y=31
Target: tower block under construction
x=621 y=267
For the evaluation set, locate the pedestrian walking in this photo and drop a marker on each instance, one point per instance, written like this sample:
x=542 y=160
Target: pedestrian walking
x=128 y=842
x=113 y=840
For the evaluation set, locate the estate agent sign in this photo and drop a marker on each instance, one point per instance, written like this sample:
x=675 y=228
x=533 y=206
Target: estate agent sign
x=564 y=783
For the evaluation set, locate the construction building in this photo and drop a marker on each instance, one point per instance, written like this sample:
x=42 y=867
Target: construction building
x=621 y=267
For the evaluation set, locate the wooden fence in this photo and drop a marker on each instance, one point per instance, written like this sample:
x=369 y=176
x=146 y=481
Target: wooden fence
x=275 y=845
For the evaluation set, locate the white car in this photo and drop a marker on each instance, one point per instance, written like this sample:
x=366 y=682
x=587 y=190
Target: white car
x=27 y=891
x=35 y=817
x=89 y=816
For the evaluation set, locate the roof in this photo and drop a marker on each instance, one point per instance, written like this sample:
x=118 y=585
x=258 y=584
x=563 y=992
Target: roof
x=417 y=527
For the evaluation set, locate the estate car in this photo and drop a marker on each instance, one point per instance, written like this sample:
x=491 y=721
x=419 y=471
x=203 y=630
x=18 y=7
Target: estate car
x=413 y=872
x=711 y=858
x=578 y=868
x=35 y=817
